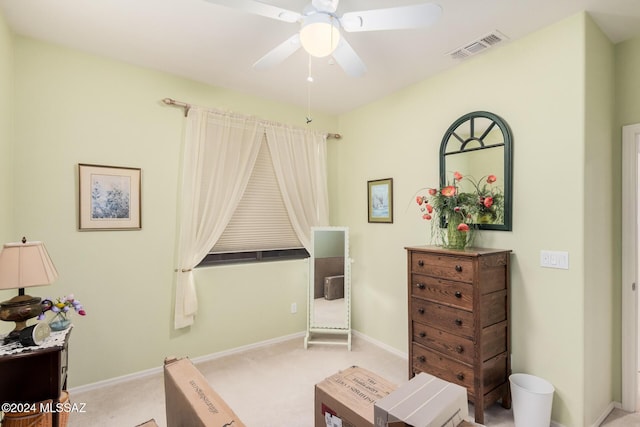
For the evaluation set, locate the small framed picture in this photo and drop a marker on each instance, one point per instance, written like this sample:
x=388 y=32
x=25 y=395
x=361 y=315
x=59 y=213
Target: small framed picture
x=109 y=198
x=380 y=200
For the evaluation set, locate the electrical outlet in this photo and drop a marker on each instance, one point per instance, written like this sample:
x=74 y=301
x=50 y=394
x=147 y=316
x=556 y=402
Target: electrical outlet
x=554 y=259
x=294 y=308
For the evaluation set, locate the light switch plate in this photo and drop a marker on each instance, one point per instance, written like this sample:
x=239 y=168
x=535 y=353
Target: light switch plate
x=554 y=259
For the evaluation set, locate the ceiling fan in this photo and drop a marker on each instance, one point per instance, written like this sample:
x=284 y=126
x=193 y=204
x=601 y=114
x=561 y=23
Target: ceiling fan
x=320 y=27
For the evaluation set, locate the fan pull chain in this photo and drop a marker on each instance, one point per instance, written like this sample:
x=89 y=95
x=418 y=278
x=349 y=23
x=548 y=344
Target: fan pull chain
x=309 y=81
x=331 y=33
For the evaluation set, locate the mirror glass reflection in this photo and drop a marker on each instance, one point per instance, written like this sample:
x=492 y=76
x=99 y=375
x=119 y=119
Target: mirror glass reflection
x=330 y=278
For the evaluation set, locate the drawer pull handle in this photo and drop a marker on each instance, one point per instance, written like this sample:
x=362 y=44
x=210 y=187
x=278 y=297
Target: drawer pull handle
x=420 y=285
x=459 y=268
x=421 y=263
x=459 y=349
x=458 y=294
x=459 y=322
x=460 y=376
x=422 y=359
x=421 y=310
x=422 y=335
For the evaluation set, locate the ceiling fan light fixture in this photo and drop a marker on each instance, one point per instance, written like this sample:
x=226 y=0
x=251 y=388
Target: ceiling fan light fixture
x=320 y=34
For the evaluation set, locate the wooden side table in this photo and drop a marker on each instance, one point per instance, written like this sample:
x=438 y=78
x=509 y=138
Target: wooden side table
x=35 y=374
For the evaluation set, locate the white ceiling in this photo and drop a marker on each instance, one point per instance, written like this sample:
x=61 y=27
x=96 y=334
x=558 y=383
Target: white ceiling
x=217 y=45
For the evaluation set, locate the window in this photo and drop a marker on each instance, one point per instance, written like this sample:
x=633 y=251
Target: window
x=260 y=229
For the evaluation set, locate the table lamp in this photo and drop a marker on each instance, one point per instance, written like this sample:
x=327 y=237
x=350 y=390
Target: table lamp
x=23 y=264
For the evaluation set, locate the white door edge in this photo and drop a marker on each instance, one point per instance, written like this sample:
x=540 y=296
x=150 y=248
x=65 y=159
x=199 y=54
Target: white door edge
x=630 y=152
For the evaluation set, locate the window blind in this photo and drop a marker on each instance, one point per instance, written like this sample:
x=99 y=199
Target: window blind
x=261 y=221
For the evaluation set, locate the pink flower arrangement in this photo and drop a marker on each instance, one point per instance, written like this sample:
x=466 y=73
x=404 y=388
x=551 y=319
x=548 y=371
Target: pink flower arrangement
x=462 y=210
x=485 y=203
x=448 y=203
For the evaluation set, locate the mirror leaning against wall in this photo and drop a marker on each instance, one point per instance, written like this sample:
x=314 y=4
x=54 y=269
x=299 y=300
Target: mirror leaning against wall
x=329 y=289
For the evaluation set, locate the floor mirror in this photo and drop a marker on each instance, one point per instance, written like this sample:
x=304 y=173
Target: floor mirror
x=329 y=288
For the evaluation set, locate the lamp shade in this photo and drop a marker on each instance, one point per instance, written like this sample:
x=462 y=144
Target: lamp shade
x=26 y=264
x=320 y=34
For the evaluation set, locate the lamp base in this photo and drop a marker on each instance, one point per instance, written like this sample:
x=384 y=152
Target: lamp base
x=19 y=309
x=15 y=334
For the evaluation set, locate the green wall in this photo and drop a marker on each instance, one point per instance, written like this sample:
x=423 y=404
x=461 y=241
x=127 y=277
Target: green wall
x=538 y=85
x=627 y=87
x=601 y=267
x=6 y=140
x=6 y=114
x=77 y=108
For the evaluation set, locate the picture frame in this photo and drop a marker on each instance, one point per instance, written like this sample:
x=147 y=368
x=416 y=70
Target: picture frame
x=109 y=197
x=380 y=200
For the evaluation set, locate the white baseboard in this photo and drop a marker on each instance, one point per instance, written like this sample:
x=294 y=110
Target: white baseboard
x=606 y=413
x=244 y=348
x=380 y=344
x=115 y=380
x=159 y=369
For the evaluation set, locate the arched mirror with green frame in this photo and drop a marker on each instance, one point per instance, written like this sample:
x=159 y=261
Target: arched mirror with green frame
x=479 y=146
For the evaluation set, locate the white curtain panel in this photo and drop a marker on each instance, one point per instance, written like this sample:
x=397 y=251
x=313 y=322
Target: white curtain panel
x=219 y=154
x=300 y=163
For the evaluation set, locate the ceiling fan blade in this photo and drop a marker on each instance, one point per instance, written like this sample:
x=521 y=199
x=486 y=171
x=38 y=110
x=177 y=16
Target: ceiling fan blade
x=279 y=53
x=259 y=8
x=395 y=18
x=348 y=59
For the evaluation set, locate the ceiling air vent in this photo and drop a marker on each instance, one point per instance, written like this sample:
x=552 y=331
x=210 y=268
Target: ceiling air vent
x=478 y=46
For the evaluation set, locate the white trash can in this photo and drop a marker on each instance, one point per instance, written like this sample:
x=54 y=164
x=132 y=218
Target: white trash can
x=532 y=398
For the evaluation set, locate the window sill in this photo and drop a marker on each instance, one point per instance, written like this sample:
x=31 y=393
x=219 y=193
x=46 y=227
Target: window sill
x=212 y=260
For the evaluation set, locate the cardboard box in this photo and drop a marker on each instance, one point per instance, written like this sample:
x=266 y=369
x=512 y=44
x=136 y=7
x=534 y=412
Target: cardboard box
x=190 y=401
x=347 y=398
x=424 y=401
x=150 y=423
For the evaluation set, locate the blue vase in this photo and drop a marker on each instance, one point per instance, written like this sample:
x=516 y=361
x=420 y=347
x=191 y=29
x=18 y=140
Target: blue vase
x=59 y=322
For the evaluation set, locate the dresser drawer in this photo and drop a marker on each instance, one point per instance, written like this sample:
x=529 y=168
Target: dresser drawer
x=448 y=319
x=494 y=371
x=442 y=291
x=451 y=345
x=447 y=267
x=425 y=360
x=494 y=342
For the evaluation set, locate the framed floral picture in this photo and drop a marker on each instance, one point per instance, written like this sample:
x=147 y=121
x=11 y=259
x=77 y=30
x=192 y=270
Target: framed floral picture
x=109 y=197
x=380 y=197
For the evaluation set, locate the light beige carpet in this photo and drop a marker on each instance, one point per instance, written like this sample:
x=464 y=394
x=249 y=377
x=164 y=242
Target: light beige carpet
x=271 y=386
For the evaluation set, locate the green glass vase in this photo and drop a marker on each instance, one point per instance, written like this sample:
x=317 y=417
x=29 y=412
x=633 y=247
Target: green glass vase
x=455 y=239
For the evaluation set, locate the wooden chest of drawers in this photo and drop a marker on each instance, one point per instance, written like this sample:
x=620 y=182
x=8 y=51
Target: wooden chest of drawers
x=459 y=320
